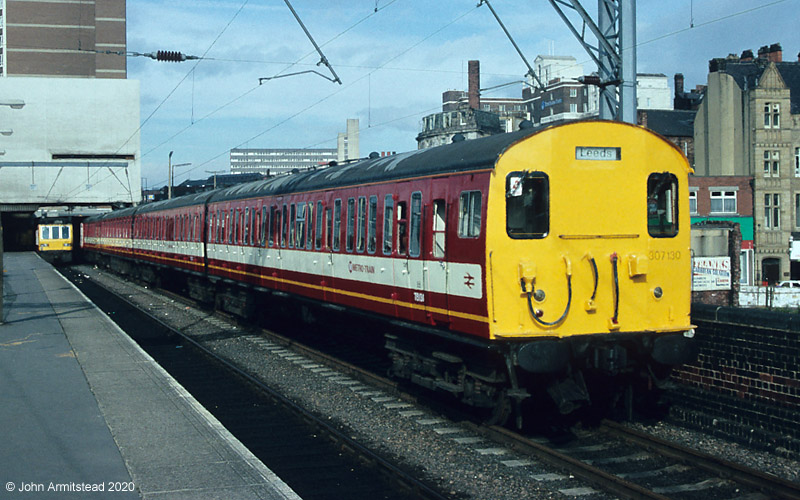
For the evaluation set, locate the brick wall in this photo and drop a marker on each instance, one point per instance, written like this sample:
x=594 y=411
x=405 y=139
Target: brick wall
x=724 y=297
x=704 y=185
x=745 y=381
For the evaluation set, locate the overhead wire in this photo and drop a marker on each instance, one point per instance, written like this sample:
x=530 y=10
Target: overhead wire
x=203 y=57
x=338 y=91
x=78 y=190
x=383 y=66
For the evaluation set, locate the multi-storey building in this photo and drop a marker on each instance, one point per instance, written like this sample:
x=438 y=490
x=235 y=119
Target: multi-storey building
x=748 y=126
x=274 y=161
x=347 y=147
x=63 y=39
x=468 y=115
x=70 y=116
x=564 y=98
x=278 y=161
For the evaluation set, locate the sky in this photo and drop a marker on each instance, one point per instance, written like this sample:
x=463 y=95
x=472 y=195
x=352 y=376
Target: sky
x=394 y=58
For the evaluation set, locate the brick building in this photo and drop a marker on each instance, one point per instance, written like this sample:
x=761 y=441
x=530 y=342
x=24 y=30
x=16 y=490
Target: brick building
x=463 y=115
x=63 y=39
x=748 y=126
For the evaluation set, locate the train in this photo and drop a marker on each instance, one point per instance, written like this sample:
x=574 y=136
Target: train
x=541 y=270
x=54 y=240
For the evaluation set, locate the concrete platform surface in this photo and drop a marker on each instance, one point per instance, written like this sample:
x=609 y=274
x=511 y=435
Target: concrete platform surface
x=86 y=413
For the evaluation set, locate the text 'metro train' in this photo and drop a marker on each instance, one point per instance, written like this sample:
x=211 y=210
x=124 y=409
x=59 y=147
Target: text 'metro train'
x=540 y=266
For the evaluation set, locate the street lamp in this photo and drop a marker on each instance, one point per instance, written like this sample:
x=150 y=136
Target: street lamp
x=215 y=172
x=13 y=103
x=171 y=170
x=169 y=188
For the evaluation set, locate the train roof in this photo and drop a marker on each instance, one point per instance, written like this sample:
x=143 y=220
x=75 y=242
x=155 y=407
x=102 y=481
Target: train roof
x=464 y=156
x=455 y=157
x=181 y=201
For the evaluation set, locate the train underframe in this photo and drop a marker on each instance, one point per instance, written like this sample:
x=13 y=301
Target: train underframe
x=508 y=379
x=595 y=374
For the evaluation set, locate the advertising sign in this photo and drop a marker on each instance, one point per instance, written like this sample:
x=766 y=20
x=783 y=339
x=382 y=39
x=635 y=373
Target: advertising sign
x=711 y=273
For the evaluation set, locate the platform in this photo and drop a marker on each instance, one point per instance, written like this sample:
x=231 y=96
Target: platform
x=85 y=411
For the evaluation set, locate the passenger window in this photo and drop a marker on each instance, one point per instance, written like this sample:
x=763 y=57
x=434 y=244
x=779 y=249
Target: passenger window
x=210 y=232
x=416 y=219
x=318 y=233
x=246 y=225
x=278 y=226
x=273 y=226
x=439 y=230
x=337 y=224
x=527 y=205
x=662 y=205
x=402 y=228
x=292 y=221
x=309 y=225
x=45 y=232
x=285 y=227
x=469 y=214
x=264 y=226
x=351 y=222
x=253 y=225
x=242 y=222
x=388 y=221
x=372 y=242
x=300 y=224
x=65 y=232
x=362 y=219
x=234 y=227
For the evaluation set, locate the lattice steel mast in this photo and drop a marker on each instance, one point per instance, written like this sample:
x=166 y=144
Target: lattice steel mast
x=614 y=53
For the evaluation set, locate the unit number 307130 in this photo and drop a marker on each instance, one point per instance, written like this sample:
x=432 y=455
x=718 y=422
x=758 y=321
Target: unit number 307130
x=664 y=255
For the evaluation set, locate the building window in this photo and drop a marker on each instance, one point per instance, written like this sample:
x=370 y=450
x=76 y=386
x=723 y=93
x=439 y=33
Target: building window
x=797 y=210
x=723 y=202
x=573 y=92
x=771 y=163
x=772 y=115
x=772 y=211
x=797 y=162
x=693 y=202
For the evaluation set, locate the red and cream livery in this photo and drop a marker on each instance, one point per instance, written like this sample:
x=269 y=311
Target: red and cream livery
x=540 y=259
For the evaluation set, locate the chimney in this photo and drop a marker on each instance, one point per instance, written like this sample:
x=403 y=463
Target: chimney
x=747 y=56
x=775 y=53
x=763 y=52
x=678 y=84
x=474 y=72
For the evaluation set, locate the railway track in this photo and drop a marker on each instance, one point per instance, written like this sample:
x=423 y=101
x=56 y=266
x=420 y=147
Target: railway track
x=632 y=464
x=611 y=461
x=314 y=457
